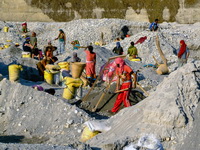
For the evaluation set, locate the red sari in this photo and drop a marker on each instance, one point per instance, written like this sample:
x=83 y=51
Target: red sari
x=90 y=64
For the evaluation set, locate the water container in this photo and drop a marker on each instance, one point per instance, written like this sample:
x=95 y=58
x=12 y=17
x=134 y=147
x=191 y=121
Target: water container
x=5 y=29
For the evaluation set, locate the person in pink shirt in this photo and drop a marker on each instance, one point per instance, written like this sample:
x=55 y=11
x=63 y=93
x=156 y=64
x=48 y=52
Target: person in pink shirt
x=90 y=64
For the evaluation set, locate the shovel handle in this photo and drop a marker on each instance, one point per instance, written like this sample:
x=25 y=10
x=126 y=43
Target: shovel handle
x=118 y=91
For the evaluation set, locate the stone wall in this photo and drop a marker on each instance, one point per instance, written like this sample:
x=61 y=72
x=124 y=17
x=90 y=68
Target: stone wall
x=182 y=11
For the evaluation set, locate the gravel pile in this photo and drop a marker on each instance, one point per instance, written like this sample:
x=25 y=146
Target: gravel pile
x=168 y=113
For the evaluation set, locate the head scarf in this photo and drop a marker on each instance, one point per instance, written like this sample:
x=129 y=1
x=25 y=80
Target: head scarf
x=118 y=44
x=61 y=30
x=121 y=63
x=182 y=48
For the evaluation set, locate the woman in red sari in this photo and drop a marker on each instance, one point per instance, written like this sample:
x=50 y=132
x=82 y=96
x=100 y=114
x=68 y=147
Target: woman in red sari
x=90 y=64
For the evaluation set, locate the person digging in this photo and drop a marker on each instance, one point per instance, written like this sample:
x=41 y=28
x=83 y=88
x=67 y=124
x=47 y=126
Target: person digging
x=123 y=73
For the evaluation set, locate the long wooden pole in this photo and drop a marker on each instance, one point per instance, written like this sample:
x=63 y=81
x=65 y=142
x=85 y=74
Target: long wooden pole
x=156 y=60
x=101 y=98
x=160 y=51
x=139 y=86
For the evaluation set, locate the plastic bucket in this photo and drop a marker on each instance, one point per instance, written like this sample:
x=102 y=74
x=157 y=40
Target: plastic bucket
x=69 y=92
x=77 y=69
x=87 y=134
x=6 y=46
x=72 y=84
x=162 y=69
x=26 y=55
x=48 y=77
x=14 y=72
x=5 y=29
x=64 y=65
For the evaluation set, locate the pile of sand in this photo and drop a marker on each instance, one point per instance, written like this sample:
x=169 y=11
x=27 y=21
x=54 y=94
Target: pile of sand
x=169 y=112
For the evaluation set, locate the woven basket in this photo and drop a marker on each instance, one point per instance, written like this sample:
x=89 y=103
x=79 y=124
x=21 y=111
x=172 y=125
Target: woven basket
x=77 y=69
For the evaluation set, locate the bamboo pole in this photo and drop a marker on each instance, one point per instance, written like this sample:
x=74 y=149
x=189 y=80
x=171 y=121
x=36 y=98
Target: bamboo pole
x=160 y=51
x=156 y=60
x=162 y=68
x=101 y=98
x=139 y=86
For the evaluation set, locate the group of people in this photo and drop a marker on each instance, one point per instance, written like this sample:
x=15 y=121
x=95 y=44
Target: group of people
x=182 y=52
x=132 y=50
x=30 y=45
x=124 y=73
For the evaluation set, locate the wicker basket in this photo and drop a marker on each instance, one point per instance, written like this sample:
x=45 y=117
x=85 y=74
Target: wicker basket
x=77 y=69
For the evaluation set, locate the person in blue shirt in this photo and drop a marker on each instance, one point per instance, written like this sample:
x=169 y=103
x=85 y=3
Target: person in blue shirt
x=154 y=25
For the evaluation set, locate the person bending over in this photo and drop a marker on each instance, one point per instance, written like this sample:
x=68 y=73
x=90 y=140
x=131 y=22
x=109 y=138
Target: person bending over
x=123 y=73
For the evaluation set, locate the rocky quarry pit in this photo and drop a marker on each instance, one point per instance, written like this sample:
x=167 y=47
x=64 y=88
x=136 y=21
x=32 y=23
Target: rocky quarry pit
x=31 y=119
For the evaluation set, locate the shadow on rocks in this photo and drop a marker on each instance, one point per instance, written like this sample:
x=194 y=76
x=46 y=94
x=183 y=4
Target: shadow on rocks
x=11 y=139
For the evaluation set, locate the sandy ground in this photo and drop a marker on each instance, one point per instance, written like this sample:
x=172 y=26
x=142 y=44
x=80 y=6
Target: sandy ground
x=89 y=31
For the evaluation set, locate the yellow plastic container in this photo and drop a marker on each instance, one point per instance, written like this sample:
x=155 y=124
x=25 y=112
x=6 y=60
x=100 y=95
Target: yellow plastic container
x=77 y=69
x=87 y=134
x=5 y=29
x=48 y=77
x=97 y=43
x=7 y=45
x=135 y=59
x=69 y=92
x=1 y=48
x=14 y=72
x=72 y=84
x=64 y=65
x=8 y=40
x=26 y=55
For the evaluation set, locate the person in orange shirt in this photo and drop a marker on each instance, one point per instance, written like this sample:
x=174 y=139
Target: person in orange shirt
x=123 y=73
x=90 y=64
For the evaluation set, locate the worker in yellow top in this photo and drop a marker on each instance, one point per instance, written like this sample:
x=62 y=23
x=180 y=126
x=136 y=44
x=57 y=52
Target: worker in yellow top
x=132 y=51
